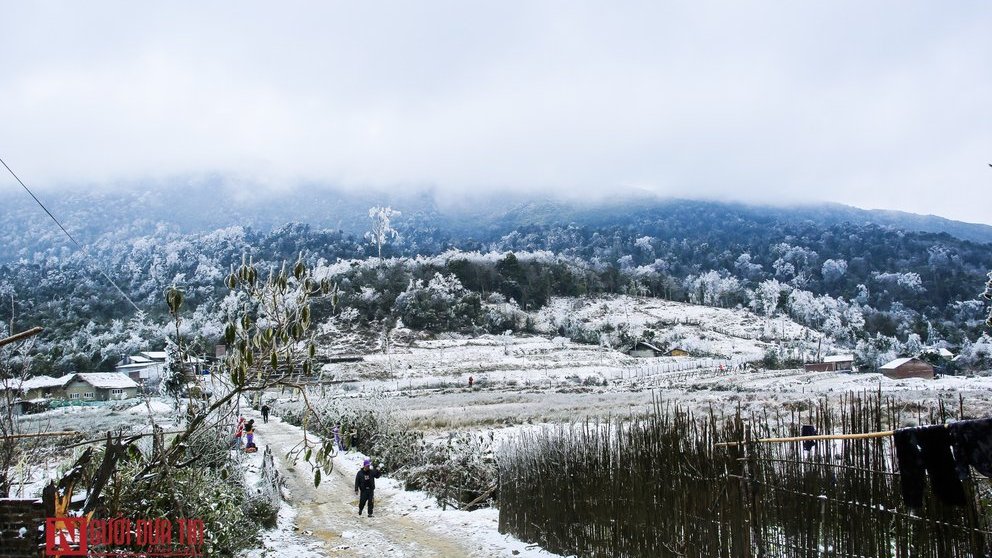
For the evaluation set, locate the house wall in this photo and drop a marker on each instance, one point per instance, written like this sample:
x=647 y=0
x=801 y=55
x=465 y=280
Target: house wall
x=677 y=352
x=910 y=370
x=126 y=393
x=642 y=353
x=49 y=393
x=80 y=389
x=819 y=367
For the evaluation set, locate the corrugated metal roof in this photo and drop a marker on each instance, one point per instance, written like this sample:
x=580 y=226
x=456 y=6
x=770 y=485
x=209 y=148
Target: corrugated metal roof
x=43 y=382
x=838 y=358
x=107 y=380
x=896 y=363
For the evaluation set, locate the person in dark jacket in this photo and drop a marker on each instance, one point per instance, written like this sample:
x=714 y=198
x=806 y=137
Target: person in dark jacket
x=365 y=485
x=265 y=413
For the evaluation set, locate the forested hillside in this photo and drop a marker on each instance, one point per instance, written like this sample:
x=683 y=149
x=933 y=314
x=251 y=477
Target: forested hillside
x=860 y=282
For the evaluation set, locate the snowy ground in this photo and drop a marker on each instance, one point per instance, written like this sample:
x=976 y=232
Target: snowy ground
x=324 y=521
x=534 y=378
x=519 y=380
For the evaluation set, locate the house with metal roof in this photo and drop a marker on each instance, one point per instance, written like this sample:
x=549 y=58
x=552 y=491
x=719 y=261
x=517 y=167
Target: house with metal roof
x=907 y=368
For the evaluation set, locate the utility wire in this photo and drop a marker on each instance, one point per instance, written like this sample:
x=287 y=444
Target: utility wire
x=74 y=241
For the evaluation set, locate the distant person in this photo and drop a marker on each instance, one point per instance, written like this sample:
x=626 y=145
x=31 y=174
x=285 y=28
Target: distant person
x=265 y=414
x=365 y=485
x=239 y=431
x=337 y=437
x=471 y=381
x=250 y=433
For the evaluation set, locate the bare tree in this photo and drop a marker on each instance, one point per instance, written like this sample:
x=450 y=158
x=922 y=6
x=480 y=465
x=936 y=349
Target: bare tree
x=271 y=345
x=381 y=230
x=988 y=295
x=14 y=370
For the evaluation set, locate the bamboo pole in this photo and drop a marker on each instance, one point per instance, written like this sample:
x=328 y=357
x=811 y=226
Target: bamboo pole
x=42 y=434
x=128 y=436
x=862 y=436
x=83 y=443
x=22 y=335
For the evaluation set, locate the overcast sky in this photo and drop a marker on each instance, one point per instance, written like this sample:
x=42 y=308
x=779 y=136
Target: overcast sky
x=873 y=104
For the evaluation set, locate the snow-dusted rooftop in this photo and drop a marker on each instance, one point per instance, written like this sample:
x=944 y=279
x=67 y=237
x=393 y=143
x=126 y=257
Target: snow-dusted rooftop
x=107 y=380
x=838 y=358
x=41 y=382
x=896 y=363
x=154 y=355
x=139 y=365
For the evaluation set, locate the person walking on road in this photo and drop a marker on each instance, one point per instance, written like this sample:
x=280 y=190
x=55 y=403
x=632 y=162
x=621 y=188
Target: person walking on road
x=365 y=485
x=265 y=414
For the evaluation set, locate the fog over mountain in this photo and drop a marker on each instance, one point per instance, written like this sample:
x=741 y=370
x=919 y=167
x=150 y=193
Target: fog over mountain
x=203 y=207
x=876 y=105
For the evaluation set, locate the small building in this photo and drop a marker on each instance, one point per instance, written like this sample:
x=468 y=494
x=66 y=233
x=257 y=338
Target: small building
x=643 y=349
x=27 y=407
x=147 y=366
x=907 y=368
x=840 y=363
x=832 y=363
x=45 y=387
x=941 y=353
x=678 y=352
x=100 y=386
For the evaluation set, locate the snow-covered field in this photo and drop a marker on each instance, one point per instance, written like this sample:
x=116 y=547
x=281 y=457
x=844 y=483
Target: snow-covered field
x=520 y=380
x=533 y=378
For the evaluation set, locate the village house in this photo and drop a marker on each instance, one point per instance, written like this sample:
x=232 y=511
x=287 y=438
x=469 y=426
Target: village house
x=99 y=386
x=44 y=387
x=643 y=349
x=146 y=367
x=941 y=353
x=907 y=368
x=832 y=363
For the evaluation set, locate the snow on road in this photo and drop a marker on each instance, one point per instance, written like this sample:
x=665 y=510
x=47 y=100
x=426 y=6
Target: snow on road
x=324 y=521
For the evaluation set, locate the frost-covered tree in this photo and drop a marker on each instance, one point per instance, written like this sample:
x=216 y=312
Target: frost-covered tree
x=644 y=243
x=443 y=303
x=988 y=296
x=910 y=281
x=873 y=352
x=746 y=268
x=712 y=289
x=783 y=268
x=833 y=270
x=977 y=355
x=863 y=295
x=176 y=374
x=382 y=230
x=766 y=296
x=913 y=345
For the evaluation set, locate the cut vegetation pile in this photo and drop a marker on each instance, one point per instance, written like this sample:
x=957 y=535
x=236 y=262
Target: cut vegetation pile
x=659 y=486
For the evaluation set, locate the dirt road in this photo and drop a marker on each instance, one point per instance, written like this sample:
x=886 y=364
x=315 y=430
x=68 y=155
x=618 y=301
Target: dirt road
x=330 y=512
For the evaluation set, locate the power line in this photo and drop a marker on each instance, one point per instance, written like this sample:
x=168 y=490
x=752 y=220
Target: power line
x=74 y=241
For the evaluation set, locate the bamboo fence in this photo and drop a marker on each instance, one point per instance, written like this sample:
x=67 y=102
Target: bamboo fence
x=660 y=486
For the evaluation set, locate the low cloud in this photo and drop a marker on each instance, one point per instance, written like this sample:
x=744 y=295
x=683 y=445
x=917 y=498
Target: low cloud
x=881 y=105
